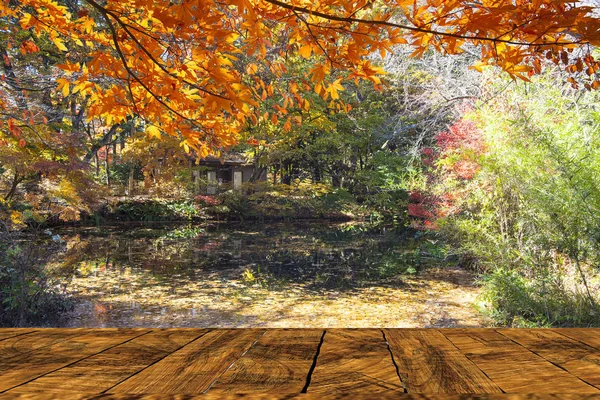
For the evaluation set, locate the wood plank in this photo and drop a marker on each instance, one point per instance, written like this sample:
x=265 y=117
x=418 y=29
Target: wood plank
x=278 y=363
x=578 y=358
x=192 y=369
x=17 y=346
x=589 y=336
x=19 y=370
x=429 y=363
x=306 y=396
x=6 y=333
x=356 y=361
x=512 y=367
x=107 y=369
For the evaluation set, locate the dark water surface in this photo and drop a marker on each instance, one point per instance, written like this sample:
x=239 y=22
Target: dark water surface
x=277 y=275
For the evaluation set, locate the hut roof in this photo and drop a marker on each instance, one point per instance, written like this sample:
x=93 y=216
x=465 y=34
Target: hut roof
x=227 y=159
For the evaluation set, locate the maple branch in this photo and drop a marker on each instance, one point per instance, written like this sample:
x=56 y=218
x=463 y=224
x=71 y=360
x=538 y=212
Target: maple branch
x=32 y=129
x=408 y=27
x=125 y=27
x=141 y=29
x=515 y=28
x=434 y=20
x=314 y=37
x=129 y=70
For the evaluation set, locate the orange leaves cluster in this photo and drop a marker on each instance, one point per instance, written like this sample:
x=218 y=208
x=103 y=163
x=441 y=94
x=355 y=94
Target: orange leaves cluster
x=193 y=67
x=515 y=35
x=171 y=64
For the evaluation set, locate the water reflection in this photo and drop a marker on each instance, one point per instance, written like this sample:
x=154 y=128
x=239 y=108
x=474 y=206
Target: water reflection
x=267 y=275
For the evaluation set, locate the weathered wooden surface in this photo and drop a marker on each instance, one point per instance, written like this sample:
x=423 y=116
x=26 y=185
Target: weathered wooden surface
x=279 y=362
x=193 y=368
x=513 y=367
x=27 y=366
x=575 y=357
x=300 y=363
x=107 y=369
x=429 y=363
x=354 y=360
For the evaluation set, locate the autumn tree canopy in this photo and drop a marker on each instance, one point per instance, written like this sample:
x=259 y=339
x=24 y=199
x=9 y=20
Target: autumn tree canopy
x=198 y=69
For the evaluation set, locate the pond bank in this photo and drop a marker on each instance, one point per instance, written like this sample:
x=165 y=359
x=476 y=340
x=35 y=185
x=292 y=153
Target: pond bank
x=279 y=203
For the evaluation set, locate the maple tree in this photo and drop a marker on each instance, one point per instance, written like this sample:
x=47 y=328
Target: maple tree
x=182 y=66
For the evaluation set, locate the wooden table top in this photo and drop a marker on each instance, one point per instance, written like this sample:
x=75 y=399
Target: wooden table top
x=300 y=363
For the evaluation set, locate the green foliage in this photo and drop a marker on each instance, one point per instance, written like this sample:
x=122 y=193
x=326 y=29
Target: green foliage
x=531 y=215
x=514 y=299
x=119 y=173
x=263 y=200
x=189 y=232
x=356 y=150
x=29 y=294
x=156 y=210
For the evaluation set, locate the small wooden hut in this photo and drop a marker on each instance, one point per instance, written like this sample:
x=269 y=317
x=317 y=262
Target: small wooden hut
x=230 y=171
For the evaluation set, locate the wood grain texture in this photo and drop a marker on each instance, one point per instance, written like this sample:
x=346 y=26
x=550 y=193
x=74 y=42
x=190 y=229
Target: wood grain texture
x=589 y=336
x=107 y=369
x=278 y=363
x=305 y=396
x=429 y=363
x=242 y=363
x=17 y=346
x=6 y=333
x=572 y=355
x=356 y=361
x=192 y=369
x=511 y=366
x=20 y=369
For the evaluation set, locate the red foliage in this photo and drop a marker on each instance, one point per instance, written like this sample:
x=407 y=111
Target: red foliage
x=207 y=200
x=29 y=47
x=419 y=210
x=428 y=156
x=461 y=136
x=465 y=169
x=462 y=141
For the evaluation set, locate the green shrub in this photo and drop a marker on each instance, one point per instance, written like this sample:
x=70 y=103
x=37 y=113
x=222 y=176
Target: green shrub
x=156 y=210
x=530 y=215
x=263 y=200
x=29 y=294
x=515 y=300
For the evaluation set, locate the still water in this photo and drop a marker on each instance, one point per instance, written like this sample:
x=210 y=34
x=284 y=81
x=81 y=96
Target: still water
x=268 y=275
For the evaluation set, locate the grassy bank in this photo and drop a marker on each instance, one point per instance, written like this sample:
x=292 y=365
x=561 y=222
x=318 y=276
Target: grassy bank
x=256 y=202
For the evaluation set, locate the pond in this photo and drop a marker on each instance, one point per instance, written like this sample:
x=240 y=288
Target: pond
x=267 y=275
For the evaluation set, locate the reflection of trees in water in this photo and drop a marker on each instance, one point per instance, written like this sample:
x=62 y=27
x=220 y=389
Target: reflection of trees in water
x=320 y=257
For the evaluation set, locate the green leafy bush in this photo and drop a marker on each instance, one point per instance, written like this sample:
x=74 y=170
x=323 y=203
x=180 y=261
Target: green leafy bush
x=263 y=200
x=29 y=294
x=527 y=210
x=156 y=210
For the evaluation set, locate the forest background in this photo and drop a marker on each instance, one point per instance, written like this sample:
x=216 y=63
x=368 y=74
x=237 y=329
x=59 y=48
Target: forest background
x=477 y=123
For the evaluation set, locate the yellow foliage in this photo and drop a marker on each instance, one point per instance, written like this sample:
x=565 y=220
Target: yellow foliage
x=17 y=219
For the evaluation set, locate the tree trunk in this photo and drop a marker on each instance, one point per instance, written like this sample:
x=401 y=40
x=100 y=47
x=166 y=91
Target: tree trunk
x=13 y=189
x=316 y=175
x=98 y=145
x=336 y=181
x=130 y=183
x=106 y=166
x=286 y=176
x=115 y=159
